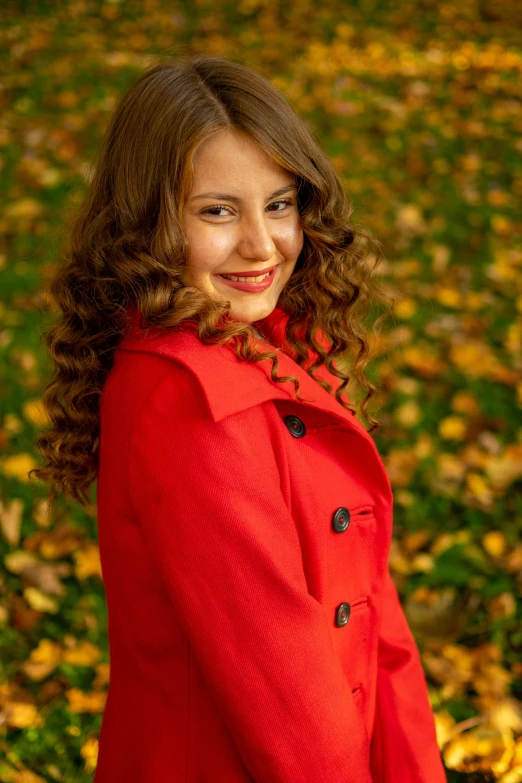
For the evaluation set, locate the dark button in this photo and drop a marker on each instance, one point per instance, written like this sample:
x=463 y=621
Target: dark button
x=341 y=519
x=342 y=614
x=295 y=425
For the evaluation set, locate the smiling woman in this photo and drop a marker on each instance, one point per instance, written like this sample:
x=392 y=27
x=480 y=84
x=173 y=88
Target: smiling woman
x=204 y=170
x=244 y=530
x=256 y=236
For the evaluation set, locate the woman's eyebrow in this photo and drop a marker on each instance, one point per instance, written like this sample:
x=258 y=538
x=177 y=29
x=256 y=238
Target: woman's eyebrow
x=237 y=200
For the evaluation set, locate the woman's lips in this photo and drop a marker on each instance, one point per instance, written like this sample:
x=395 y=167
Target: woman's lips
x=251 y=288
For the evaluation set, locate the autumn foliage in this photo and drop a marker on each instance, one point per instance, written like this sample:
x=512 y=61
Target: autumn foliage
x=418 y=104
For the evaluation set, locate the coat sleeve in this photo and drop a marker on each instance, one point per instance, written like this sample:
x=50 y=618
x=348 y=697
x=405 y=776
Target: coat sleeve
x=404 y=746
x=208 y=498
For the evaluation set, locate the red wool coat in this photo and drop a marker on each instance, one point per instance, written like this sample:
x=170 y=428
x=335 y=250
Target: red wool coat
x=255 y=633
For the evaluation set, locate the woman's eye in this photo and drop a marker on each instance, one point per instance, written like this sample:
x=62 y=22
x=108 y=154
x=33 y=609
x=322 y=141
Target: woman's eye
x=213 y=210
x=288 y=201
x=218 y=207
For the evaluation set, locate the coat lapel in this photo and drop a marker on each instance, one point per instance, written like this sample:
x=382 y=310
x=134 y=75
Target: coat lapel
x=230 y=385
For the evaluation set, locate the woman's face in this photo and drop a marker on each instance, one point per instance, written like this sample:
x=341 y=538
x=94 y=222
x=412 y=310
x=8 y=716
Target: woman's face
x=235 y=223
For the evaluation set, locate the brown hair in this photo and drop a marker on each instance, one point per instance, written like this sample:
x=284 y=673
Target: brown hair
x=125 y=246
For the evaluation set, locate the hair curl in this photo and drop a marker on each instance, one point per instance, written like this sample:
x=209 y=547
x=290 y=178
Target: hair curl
x=124 y=246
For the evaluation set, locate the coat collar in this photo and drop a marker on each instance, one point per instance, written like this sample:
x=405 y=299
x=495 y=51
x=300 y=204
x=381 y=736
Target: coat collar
x=232 y=386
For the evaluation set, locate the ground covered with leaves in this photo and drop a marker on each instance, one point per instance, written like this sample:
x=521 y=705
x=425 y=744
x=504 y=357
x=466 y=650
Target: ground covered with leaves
x=418 y=104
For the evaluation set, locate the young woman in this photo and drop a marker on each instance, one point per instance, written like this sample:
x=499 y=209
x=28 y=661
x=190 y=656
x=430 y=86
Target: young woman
x=244 y=513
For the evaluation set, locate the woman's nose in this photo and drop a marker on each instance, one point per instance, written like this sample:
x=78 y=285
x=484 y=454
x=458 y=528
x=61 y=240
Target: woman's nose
x=256 y=240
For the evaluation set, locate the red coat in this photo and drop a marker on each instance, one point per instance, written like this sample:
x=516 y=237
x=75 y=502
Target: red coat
x=255 y=633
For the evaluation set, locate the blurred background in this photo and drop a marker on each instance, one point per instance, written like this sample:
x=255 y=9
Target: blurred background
x=418 y=104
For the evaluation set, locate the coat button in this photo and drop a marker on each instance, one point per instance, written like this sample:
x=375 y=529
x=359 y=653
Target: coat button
x=341 y=519
x=342 y=614
x=295 y=425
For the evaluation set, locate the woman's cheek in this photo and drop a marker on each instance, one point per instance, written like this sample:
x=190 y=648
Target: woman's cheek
x=292 y=243
x=211 y=249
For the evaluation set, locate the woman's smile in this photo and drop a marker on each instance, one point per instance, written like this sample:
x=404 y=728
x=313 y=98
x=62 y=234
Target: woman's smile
x=252 y=285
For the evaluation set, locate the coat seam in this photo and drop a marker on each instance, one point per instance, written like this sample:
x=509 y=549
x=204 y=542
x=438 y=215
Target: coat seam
x=189 y=695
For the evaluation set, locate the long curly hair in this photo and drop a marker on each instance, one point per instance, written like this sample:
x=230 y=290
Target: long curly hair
x=124 y=247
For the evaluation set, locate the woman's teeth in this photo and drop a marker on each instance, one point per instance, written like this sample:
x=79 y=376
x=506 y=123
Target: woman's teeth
x=247 y=279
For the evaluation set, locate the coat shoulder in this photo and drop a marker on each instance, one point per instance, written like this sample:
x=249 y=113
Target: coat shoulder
x=139 y=379
x=229 y=384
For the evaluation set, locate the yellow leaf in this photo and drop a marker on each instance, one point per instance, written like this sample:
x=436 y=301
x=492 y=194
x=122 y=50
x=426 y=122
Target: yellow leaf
x=501 y=224
x=398 y=562
x=465 y=402
x=450 y=466
x=18 y=466
x=102 y=677
x=422 y=562
x=43 y=659
x=59 y=542
x=513 y=561
x=497 y=198
x=25 y=776
x=474 y=300
x=35 y=412
x=400 y=465
x=406 y=385
x=475 y=359
x=424 y=446
x=513 y=775
x=505 y=468
x=408 y=414
x=483 y=749
x=404 y=498
x=407 y=268
x=474 y=457
x=473 y=161
x=12 y=424
x=452 y=428
x=449 y=297
x=441 y=543
x=453 y=666
x=409 y=219
x=412 y=542
x=479 y=488
x=492 y=681
x=80 y=701
x=419 y=359
x=405 y=308
x=494 y=543
x=517 y=758
x=503 y=605
x=11 y=520
x=400 y=336
x=89 y=751
x=441 y=256
x=84 y=654
x=16 y=562
x=445 y=540
x=88 y=562
x=506 y=715
x=423 y=595
x=513 y=338
x=21 y=715
x=23 y=208
x=444 y=725
x=40 y=601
